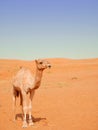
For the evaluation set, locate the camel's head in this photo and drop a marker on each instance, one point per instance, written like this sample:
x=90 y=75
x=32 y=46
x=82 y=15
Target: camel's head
x=42 y=64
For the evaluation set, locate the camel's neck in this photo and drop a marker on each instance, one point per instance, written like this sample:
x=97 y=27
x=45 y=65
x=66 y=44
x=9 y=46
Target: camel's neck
x=38 y=78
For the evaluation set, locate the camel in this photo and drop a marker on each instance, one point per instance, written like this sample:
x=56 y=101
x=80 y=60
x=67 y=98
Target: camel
x=24 y=85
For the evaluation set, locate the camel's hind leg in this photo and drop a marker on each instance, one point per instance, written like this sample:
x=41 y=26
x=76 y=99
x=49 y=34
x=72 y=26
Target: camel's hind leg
x=14 y=103
x=21 y=99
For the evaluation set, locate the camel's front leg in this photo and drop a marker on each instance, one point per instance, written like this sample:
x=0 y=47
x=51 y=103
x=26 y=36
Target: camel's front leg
x=30 y=108
x=24 y=111
x=30 y=115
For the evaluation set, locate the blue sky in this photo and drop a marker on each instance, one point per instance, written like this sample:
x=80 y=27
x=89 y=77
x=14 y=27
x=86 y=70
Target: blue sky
x=32 y=29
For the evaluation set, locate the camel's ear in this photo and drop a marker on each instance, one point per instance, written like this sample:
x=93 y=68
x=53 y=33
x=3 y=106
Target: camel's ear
x=36 y=61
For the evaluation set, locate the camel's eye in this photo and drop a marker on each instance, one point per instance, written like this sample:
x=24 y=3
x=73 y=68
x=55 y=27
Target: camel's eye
x=41 y=62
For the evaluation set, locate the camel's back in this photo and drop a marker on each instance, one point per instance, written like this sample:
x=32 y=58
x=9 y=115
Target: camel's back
x=23 y=79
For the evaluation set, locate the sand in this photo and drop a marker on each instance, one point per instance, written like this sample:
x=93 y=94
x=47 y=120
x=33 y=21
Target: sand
x=66 y=100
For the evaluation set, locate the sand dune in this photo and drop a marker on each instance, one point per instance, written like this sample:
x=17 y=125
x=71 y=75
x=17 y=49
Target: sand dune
x=66 y=100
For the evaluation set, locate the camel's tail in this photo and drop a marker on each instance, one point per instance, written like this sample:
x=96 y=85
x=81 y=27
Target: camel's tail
x=18 y=94
x=15 y=92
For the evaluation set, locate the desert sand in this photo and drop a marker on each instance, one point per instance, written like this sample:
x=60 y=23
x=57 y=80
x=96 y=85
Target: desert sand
x=66 y=100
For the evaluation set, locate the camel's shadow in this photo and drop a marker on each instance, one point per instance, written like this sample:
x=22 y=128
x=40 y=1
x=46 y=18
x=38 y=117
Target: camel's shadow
x=33 y=118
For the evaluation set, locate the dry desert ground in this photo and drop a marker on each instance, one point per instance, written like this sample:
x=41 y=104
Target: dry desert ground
x=66 y=100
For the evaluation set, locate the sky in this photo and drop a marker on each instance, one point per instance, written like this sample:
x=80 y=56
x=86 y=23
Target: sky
x=31 y=29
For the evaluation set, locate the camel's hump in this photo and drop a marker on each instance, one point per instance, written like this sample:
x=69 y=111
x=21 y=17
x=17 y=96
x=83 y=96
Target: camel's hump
x=24 y=77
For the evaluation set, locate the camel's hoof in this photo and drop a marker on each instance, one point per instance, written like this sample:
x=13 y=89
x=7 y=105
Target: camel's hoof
x=24 y=125
x=31 y=123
